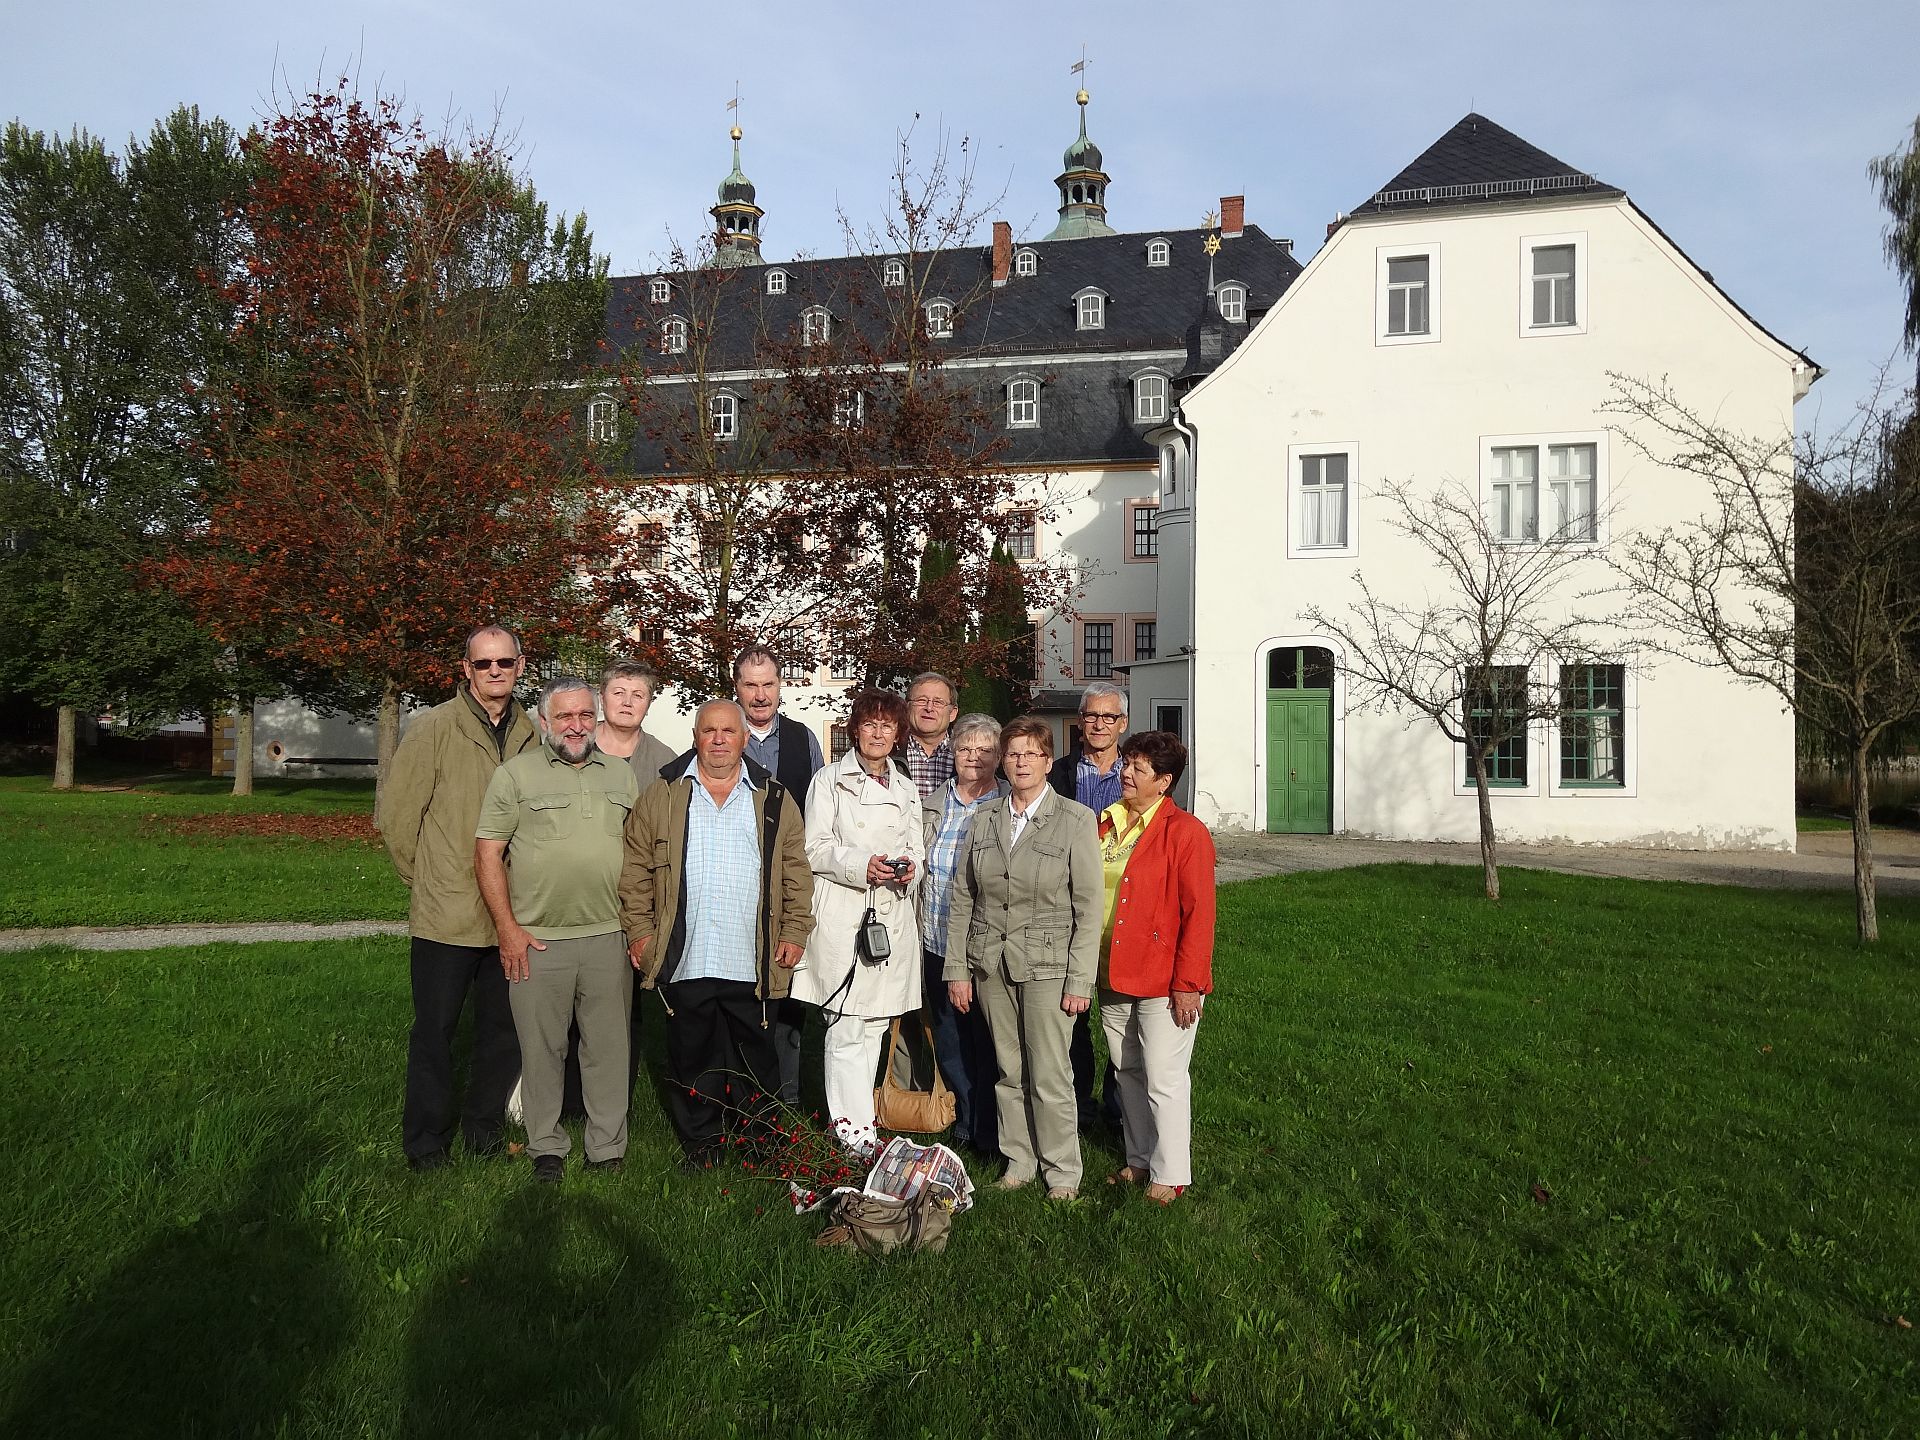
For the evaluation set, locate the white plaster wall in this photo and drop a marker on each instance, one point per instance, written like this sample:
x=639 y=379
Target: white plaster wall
x=1091 y=525
x=1714 y=759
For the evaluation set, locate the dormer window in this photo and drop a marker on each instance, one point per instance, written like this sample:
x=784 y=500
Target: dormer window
x=1025 y=262
x=600 y=419
x=1023 y=403
x=849 y=409
x=816 y=327
x=776 y=282
x=1090 y=310
x=1149 y=397
x=724 y=411
x=673 y=336
x=939 y=319
x=1159 y=252
x=1232 y=300
x=893 y=274
x=659 y=291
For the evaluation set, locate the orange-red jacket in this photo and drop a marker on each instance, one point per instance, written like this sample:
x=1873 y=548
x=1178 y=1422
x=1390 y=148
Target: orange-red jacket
x=1163 y=918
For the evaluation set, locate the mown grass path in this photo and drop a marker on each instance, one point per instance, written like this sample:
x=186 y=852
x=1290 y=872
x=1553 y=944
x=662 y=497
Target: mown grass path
x=1608 y=1158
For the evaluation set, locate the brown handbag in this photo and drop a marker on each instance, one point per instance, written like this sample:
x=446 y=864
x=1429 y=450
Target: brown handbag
x=899 y=1107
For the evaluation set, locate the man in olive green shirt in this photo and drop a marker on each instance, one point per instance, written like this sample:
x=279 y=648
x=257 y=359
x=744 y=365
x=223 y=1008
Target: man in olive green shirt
x=547 y=854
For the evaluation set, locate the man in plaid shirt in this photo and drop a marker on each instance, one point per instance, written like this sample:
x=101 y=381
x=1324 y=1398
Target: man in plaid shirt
x=932 y=703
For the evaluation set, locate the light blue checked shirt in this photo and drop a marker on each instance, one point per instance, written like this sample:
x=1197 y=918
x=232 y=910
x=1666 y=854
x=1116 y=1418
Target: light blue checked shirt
x=723 y=884
x=943 y=859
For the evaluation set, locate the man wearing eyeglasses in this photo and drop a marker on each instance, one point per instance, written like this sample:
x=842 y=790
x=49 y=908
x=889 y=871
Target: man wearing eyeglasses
x=932 y=705
x=429 y=808
x=1093 y=778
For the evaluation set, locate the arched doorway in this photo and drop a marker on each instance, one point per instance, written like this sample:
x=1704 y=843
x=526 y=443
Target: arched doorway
x=1300 y=740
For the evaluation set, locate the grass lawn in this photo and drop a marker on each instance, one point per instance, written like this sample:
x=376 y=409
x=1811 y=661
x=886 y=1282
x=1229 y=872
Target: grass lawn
x=1610 y=1158
x=169 y=849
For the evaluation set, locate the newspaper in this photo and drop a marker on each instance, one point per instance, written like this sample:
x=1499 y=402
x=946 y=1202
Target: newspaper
x=904 y=1168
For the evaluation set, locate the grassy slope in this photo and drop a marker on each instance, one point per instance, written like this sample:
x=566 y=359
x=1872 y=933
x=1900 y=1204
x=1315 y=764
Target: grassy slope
x=107 y=858
x=204 y=1215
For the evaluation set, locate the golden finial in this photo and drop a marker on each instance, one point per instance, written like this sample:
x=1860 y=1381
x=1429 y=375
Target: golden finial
x=1211 y=245
x=1210 y=220
x=734 y=133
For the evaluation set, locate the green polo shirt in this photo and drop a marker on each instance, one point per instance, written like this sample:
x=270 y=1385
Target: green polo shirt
x=563 y=825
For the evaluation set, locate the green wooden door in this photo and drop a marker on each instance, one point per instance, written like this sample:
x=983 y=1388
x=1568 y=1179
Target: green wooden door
x=1300 y=742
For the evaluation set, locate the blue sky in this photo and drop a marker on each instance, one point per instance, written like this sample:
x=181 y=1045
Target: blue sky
x=1742 y=129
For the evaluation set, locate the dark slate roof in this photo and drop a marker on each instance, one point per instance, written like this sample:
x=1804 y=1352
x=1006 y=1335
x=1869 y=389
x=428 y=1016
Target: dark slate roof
x=1025 y=327
x=1480 y=163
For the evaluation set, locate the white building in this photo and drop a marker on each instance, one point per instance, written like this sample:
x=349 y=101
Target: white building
x=1459 y=326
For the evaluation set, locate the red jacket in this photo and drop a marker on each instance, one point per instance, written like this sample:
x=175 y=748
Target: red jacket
x=1163 y=919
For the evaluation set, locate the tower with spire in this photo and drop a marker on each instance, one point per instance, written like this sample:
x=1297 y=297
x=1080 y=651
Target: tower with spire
x=736 y=218
x=1083 y=188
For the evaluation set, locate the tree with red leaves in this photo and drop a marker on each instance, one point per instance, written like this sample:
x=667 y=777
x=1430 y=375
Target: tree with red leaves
x=398 y=463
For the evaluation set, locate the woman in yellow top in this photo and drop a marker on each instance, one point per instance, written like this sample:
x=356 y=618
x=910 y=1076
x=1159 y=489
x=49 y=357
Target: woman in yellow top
x=1156 y=959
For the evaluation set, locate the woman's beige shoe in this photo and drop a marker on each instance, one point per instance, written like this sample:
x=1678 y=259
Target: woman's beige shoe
x=1127 y=1175
x=1165 y=1194
x=1012 y=1182
x=1062 y=1193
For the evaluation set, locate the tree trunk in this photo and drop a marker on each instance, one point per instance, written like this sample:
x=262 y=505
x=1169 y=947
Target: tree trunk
x=1866 y=915
x=1489 y=864
x=243 y=747
x=63 y=749
x=389 y=739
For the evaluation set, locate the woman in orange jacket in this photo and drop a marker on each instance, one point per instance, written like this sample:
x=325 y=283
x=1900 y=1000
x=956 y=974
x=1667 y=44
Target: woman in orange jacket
x=1156 y=959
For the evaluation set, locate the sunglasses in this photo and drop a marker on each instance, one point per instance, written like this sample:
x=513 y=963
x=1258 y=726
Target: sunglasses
x=492 y=664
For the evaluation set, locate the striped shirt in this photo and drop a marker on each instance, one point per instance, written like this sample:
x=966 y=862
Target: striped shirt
x=723 y=883
x=930 y=770
x=943 y=860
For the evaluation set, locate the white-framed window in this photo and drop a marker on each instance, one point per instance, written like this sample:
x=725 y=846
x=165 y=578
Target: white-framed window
x=1149 y=397
x=1323 y=501
x=659 y=290
x=1407 y=293
x=1143 y=530
x=673 y=336
x=1146 y=639
x=1095 y=648
x=1231 y=299
x=1495 y=710
x=1553 y=284
x=816 y=326
x=650 y=543
x=1544 y=486
x=1159 y=252
x=724 y=411
x=776 y=282
x=1025 y=262
x=1090 y=310
x=849 y=409
x=1023 y=402
x=602 y=419
x=893 y=274
x=939 y=319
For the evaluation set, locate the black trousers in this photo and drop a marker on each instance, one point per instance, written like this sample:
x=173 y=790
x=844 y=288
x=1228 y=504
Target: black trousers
x=442 y=975
x=1081 y=1053
x=721 y=1069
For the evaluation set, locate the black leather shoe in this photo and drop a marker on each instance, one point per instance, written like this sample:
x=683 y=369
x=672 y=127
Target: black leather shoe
x=612 y=1165
x=548 y=1169
x=432 y=1160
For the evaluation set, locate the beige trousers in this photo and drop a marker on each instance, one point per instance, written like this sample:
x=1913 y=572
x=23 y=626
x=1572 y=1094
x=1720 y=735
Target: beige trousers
x=1032 y=1036
x=589 y=980
x=1151 y=1056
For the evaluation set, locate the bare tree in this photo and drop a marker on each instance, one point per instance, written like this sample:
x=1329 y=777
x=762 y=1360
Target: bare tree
x=1802 y=576
x=1479 y=655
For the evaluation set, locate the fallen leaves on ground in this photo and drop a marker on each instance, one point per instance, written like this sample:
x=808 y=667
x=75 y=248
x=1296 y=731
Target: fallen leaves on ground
x=267 y=826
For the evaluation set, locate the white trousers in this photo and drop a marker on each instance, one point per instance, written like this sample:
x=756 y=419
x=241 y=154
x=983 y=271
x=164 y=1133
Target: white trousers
x=852 y=1058
x=1151 y=1055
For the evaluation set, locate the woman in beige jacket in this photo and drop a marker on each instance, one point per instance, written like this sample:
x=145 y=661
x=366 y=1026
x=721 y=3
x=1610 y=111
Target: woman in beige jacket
x=867 y=847
x=1025 y=936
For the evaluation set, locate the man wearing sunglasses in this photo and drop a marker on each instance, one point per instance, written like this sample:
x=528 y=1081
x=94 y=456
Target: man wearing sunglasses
x=429 y=808
x=1093 y=778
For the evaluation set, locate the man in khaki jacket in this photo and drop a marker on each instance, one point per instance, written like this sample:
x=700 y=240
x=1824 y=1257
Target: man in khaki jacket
x=716 y=898
x=429 y=806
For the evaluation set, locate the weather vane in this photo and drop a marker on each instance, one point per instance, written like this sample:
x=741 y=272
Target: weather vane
x=1210 y=222
x=1080 y=68
x=734 y=105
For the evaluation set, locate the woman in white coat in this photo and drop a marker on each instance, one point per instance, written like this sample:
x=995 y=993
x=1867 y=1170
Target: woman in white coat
x=867 y=846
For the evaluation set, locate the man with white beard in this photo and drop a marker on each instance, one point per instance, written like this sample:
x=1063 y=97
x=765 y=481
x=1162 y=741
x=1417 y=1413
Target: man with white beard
x=547 y=856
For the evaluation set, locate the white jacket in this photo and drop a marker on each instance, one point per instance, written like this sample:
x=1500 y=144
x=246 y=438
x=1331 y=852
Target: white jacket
x=851 y=817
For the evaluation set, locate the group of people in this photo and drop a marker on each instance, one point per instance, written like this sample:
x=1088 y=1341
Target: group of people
x=561 y=869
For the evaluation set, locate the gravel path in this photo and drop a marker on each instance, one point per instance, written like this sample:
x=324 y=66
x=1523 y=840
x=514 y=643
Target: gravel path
x=160 y=937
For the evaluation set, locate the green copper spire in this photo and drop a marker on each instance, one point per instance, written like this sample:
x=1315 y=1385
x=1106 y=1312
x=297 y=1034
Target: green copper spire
x=1083 y=187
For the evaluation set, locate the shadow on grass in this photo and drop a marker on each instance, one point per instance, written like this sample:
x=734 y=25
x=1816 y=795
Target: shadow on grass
x=547 y=1329
x=213 y=1328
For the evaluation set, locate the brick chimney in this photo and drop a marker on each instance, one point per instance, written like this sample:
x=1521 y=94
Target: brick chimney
x=1002 y=251
x=1233 y=216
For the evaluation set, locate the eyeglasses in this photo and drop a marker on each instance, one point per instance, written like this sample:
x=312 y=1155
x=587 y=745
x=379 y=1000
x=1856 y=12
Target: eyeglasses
x=1099 y=717
x=489 y=663
x=974 y=752
x=876 y=726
